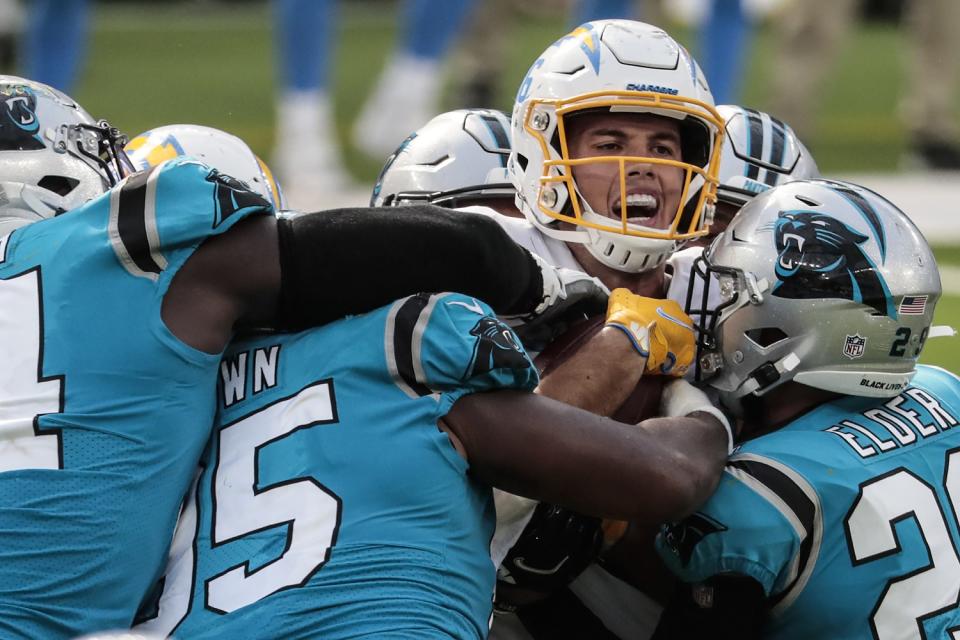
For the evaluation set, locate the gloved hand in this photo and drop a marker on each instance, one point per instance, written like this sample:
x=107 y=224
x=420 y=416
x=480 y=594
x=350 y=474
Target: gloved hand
x=658 y=329
x=568 y=295
x=554 y=548
x=680 y=398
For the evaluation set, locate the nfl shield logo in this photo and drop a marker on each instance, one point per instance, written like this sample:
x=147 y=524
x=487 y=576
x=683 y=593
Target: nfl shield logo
x=854 y=346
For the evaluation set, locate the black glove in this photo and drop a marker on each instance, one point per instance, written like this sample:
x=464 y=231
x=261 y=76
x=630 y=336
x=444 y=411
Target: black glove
x=554 y=548
x=568 y=296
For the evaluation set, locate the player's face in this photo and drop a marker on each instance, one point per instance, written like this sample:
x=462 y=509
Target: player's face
x=653 y=190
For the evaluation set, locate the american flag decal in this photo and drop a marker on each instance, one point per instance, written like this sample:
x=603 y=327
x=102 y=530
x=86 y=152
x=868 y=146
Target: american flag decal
x=913 y=305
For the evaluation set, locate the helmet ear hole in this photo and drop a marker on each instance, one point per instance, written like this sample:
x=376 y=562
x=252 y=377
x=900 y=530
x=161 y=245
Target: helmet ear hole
x=766 y=337
x=60 y=185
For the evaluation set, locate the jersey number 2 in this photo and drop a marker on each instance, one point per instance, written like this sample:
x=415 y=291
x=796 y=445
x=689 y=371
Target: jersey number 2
x=908 y=600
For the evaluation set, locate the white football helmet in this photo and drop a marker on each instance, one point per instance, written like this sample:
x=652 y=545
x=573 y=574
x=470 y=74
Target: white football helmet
x=824 y=283
x=617 y=66
x=54 y=156
x=759 y=152
x=221 y=150
x=458 y=156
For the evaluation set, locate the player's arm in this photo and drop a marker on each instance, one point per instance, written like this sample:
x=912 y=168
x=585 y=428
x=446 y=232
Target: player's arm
x=599 y=376
x=725 y=606
x=310 y=269
x=639 y=334
x=659 y=470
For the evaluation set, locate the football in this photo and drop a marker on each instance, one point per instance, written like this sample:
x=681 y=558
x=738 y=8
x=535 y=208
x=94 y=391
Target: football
x=642 y=403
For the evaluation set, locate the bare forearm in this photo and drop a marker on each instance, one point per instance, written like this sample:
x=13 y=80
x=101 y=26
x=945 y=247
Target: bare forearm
x=599 y=376
x=542 y=449
x=697 y=445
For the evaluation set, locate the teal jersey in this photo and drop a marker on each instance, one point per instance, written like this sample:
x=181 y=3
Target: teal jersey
x=847 y=517
x=103 y=412
x=330 y=504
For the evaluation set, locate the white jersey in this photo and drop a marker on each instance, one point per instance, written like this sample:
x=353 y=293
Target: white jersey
x=514 y=512
x=553 y=251
x=679 y=265
x=556 y=253
x=621 y=608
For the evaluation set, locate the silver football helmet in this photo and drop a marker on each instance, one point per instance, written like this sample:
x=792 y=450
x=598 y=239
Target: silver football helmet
x=53 y=155
x=458 y=157
x=758 y=152
x=824 y=283
x=221 y=150
x=617 y=67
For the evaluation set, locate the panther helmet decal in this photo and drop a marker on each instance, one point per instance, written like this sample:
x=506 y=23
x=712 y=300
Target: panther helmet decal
x=19 y=125
x=801 y=270
x=820 y=257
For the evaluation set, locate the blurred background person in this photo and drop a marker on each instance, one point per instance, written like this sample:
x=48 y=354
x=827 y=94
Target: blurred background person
x=55 y=42
x=407 y=93
x=306 y=152
x=809 y=34
x=724 y=33
x=11 y=20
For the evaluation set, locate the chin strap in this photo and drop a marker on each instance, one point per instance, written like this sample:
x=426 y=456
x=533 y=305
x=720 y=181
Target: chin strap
x=767 y=374
x=22 y=204
x=638 y=259
x=29 y=202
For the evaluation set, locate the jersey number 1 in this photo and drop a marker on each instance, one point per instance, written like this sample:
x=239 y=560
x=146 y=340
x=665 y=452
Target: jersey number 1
x=25 y=394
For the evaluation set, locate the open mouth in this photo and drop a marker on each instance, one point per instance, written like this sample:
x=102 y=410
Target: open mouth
x=792 y=250
x=794 y=240
x=641 y=207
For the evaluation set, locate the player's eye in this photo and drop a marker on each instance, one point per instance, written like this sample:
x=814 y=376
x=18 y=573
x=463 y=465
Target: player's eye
x=664 y=150
x=608 y=145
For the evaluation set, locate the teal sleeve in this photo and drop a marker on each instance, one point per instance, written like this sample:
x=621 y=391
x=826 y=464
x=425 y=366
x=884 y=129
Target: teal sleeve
x=466 y=349
x=737 y=531
x=193 y=201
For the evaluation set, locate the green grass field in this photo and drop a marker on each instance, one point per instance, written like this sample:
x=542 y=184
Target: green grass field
x=213 y=64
